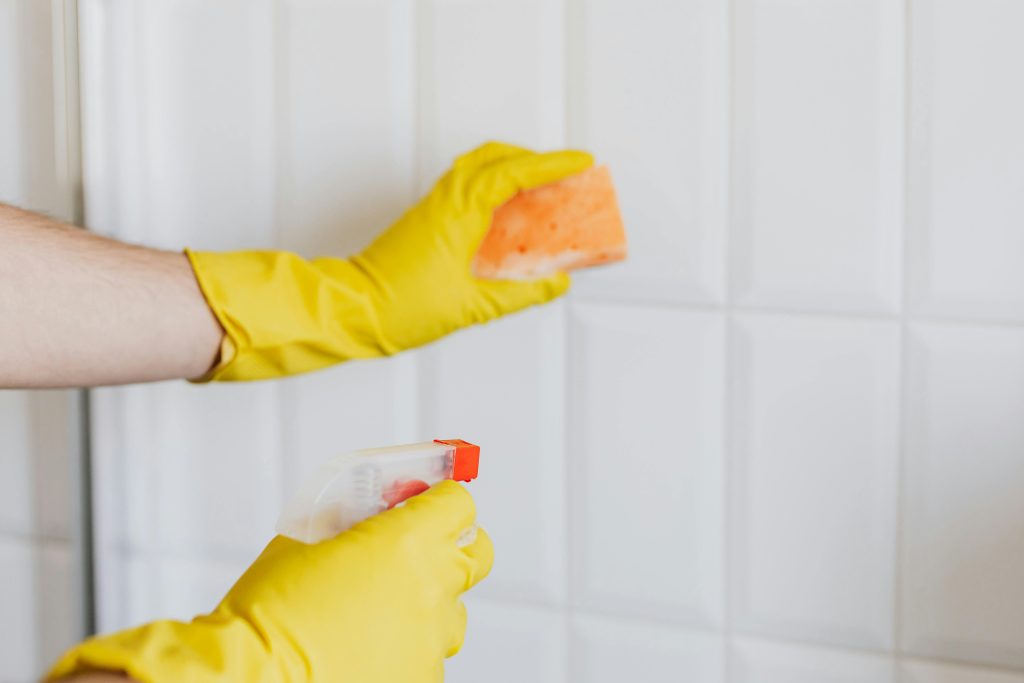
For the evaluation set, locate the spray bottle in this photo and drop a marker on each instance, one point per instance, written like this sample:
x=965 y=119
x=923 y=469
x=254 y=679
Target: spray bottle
x=352 y=487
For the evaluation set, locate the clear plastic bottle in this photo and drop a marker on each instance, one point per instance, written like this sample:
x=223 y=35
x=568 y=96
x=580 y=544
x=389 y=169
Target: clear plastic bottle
x=352 y=487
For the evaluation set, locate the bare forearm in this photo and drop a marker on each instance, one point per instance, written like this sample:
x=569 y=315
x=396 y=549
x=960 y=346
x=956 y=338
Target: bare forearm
x=77 y=309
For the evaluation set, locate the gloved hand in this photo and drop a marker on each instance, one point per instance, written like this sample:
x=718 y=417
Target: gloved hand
x=284 y=315
x=379 y=603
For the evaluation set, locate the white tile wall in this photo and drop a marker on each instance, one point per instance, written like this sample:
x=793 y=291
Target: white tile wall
x=491 y=70
x=815 y=434
x=612 y=650
x=162 y=587
x=967 y=168
x=646 y=476
x=206 y=80
x=345 y=142
x=749 y=454
x=930 y=672
x=40 y=613
x=664 y=138
x=964 y=528
x=817 y=203
x=506 y=643
x=16 y=463
x=762 y=661
x=39 y=618
x=35 y=463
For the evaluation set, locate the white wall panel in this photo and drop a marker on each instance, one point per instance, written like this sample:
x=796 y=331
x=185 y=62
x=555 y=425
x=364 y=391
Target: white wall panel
x=612 y=651
x=964 y=512
x=34 y=166
x=818 y=153
x=650 y=85
x=967 y=158
x=758 y=661
x=40 y=602
x=815 y=478
x=197 y=468
x=35 y=463
x=931 y=672
x=213 y=468
x=36 y=590
x=490 y=70
x=208 y=123
x=346 y=145
x=12 y=175
x=20 y=599
x=173 y=587
x=646 y=474
x=500 y=386
x=510 y=644
x=15 y=463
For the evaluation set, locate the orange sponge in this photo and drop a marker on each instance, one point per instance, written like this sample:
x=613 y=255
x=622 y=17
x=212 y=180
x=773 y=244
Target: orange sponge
x=571 y=224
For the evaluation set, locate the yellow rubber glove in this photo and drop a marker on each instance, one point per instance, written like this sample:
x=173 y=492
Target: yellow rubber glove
x=379 y=603
x=284 y=315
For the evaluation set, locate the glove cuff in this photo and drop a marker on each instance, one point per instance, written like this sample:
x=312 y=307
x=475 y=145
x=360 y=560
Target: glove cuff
x=283 y=315
x=213 y=648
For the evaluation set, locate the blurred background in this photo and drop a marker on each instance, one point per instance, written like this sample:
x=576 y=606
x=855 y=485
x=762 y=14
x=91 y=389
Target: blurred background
x=783 y=443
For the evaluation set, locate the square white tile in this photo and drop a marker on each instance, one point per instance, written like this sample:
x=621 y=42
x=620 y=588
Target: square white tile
x=646 y=473
x=967 y=159
x=206 y=89
x=649 y=97
x=815 y=473
x=345 y=131
x=817 y=154
x=963 y=536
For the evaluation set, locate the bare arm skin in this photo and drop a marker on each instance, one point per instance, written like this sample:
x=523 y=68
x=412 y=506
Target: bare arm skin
x=77 y=309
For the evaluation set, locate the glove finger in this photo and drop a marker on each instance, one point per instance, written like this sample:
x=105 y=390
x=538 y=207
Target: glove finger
x=456 y=629
x=508 y=296
x=487 y=153
x=444 y=511
x=497 y=182
x=480 y=558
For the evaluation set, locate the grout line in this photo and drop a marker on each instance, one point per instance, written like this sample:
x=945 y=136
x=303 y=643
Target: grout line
x=280 y=390
x=903 y=397
x=780 y=640
x=421 y=363
x=729 y=395
x=786 y=310
x=568 y=562
x=574 y=55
